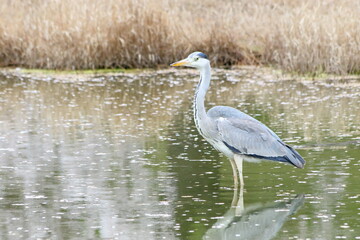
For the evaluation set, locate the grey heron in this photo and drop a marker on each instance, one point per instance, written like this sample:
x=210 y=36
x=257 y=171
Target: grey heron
x=232 y=132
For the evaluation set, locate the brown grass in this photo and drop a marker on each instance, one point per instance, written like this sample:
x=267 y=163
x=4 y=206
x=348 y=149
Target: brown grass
x=295 y=35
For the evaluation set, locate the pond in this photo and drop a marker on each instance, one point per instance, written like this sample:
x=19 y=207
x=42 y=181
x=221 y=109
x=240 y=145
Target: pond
x=118 y=157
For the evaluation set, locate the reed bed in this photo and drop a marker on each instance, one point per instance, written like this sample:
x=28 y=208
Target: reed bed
x=295 y=35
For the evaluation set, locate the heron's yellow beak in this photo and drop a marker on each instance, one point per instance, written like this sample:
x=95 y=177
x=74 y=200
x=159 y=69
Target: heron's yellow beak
x=179 y=63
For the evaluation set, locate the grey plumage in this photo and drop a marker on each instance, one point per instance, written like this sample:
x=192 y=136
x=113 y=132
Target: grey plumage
x=245 y=135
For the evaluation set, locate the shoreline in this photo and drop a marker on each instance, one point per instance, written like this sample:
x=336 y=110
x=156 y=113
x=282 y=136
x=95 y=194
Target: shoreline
x=91 y=74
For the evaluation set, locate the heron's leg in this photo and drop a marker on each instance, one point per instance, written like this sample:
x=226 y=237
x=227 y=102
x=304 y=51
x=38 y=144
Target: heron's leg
x=236 y=183
x=235 y=174
x=239 y=165
x=238 y=199
x=239 y=208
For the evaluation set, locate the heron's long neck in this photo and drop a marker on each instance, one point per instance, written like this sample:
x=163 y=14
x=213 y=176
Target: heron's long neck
x=199 y=106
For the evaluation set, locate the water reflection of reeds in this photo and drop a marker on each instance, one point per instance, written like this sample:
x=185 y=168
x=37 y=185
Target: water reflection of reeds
x=146 y=104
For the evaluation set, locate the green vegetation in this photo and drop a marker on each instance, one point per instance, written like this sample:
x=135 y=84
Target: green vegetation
x=303 y=36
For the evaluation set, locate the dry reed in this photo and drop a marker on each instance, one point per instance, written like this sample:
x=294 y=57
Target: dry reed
x=295 y=35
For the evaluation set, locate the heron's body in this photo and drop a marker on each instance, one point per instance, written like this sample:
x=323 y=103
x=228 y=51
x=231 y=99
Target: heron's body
x=232 y=132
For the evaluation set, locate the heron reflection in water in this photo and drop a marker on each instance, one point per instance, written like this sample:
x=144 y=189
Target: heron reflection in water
x=255 y=222
x=232 y=132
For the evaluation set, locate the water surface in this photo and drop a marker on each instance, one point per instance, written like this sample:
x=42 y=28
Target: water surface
x=118 y=157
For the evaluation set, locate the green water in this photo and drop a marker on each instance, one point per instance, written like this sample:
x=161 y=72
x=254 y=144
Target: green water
x=118 y=157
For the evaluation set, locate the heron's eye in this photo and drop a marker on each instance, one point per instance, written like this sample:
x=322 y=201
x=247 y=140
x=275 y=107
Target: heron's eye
x=196 y=59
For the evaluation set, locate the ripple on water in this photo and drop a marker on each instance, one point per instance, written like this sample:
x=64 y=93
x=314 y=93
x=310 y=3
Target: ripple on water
x=119 y=157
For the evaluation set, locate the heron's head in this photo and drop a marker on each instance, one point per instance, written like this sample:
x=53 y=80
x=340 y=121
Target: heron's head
x=195 y=60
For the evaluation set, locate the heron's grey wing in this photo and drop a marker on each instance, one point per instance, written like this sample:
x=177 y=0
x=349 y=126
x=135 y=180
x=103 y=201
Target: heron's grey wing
x=249 y=137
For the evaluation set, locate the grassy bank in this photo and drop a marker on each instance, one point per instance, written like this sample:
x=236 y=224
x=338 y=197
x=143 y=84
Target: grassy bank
x=295 y=35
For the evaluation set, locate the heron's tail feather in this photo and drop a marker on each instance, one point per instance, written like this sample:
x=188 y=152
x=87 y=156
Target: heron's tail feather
x=294 y=157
